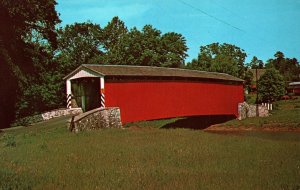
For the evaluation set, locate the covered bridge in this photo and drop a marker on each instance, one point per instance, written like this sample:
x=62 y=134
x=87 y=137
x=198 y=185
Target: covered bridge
x=146 y=93
x=294 y=87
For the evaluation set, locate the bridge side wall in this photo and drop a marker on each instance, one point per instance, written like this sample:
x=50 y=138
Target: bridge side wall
x=147 y=100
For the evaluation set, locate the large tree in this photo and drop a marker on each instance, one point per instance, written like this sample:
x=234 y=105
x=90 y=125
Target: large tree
x=256 y=63
x=79 y=43
x=149 y=47
x=271 y=86
x=225 y=58
x=82 y=43
x=173 y=46
x=20 y=20
x=113 y=33
x=288 y=67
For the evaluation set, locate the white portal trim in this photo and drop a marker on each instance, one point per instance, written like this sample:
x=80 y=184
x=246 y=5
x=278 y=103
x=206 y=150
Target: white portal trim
x=83 y=73
x=294 y=83
x=102 y=82
x=68 y=86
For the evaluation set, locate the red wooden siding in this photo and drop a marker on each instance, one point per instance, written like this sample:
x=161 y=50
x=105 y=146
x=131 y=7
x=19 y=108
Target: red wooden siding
x=297 y=90
x=146 y=100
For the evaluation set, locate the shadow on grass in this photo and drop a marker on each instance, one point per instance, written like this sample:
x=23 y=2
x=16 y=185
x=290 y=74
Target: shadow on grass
x=198 y=122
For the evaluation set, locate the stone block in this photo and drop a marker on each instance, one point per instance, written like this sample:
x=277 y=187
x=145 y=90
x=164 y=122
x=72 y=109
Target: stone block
x=99 y=118
x=61 y=112
x=250 y=110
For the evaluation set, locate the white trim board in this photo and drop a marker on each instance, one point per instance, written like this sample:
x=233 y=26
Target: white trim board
x=84 y=73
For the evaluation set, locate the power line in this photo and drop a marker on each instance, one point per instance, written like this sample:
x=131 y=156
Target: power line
x=245 y=20
x=211 y=16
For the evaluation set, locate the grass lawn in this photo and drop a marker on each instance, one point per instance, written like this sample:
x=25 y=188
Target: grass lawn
x=48 y=156
x=286 y=113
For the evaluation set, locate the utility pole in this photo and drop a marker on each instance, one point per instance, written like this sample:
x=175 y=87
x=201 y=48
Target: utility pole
x=257 y=114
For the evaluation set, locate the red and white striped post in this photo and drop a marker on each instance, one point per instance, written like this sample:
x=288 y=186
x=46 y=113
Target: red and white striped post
x=102 y=93
x=69 y=94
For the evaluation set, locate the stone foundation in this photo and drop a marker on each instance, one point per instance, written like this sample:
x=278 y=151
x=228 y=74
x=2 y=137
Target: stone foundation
x=250 y=110
x=61 y=112
x=96 y=119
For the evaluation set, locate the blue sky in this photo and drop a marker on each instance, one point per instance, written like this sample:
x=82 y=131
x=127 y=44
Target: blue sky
x=260 y=27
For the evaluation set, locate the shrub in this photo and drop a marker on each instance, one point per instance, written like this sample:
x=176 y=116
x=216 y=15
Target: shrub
x=28 y=120
x=271 y=86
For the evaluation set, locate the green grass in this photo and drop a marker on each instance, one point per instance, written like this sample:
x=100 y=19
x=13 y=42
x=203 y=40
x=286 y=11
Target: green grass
x=48 y=156
x=286 y=113
x=153 y=123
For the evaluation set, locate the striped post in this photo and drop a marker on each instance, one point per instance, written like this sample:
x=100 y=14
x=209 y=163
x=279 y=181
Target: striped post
x=69 y=99
x=102 y=103
x=102 y=94
x=69 y=94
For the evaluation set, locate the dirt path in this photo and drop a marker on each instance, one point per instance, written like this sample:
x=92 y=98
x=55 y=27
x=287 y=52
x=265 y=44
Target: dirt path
x=266 y=127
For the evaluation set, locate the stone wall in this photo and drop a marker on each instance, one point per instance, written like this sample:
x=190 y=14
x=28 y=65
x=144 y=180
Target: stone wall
x=96 y=119
x=29 y=120
x=61 y=112
x=249 y=110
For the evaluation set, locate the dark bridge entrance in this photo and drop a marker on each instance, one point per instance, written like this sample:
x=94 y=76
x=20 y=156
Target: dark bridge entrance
x=86 y=93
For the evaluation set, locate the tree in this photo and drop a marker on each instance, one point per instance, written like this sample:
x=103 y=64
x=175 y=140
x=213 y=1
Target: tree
x=19 y=20
x=248 y=79
x=225 y=58
x=173 y=49
x=289 y=68
x=148 y=47
x=114 y=44
x=271 y=86
x=79 y=43
x=113 y=32
x=256 y=63
x=112 y=35
x=43 y=90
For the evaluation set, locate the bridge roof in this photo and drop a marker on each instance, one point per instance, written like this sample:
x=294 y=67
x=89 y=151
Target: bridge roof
x=146 y=71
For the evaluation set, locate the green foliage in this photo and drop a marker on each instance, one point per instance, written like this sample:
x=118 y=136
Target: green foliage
x=25 y=121
x=87 y=43
x=248 y=78
x=23 y=25
x=79 y=43
x=289 y=68
x=113 y=32
x=256 y=63
x=251 y=98
x=148 y=47
x=271 y=86
x=224 y=58
x=173 y=46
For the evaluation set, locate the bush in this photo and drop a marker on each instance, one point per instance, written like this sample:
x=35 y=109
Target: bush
x=251 y=98
x=27 y=120
x=271 y=86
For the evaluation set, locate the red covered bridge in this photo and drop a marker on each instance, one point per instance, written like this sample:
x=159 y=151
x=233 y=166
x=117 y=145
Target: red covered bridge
x=146 y=93
x=294 y=87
